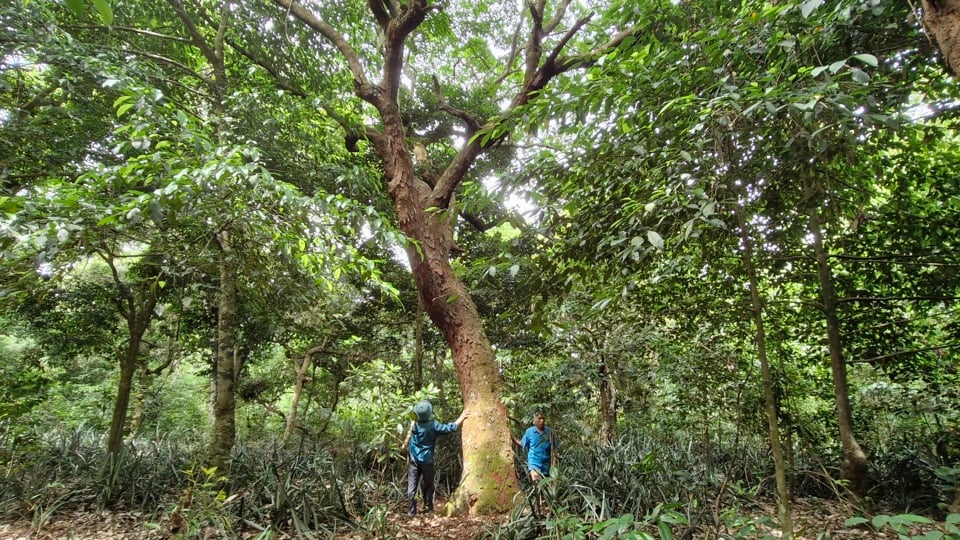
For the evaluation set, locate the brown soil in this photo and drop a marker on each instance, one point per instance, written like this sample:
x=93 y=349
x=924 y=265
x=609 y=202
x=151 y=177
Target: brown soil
x=813 y=519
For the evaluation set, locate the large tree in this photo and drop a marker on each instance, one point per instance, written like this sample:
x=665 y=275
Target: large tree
x=378 y=51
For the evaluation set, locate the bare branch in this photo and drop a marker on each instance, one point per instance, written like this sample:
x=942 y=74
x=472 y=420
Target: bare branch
x=590 y=58
x=473 y=123
x=557 y=17
x=483 y=226
x=396 y=33
x=893 y=298
x=364 y=89
x=270 y=68
x=534 y=50
x=197 y=38
x=514 y=50
x=221 y=32
x=555 y=53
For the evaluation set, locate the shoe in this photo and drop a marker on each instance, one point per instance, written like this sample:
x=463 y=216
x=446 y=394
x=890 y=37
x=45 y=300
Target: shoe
x=411 y=513
x=428 y=510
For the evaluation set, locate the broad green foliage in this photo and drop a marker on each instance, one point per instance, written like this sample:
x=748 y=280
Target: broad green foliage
x=23 y=372
x=124 y=151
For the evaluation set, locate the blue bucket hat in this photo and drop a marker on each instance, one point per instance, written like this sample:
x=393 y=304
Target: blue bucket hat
x=423 y=410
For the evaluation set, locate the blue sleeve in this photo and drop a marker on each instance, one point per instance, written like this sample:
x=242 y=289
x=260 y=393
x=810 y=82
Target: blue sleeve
x=525 y=441
x=444 y=428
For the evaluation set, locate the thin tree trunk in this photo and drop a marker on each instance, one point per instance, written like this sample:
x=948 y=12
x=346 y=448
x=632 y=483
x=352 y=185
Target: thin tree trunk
x=854 y=467
x=608 y=403
x=773 y=422
x=301 y=376
x=137 y=309
x=227 y=363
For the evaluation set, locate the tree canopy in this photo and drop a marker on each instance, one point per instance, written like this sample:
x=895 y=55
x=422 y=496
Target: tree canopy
x=725 y=226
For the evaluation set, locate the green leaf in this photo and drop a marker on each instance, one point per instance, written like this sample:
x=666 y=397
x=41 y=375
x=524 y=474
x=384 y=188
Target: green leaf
x=868 y=59
x=122 y=109
x=75 y=6
x=860 y=76
x=837 y=66
x=809 y=6
x=655 y=239
x=854 y=521
x=106 y=13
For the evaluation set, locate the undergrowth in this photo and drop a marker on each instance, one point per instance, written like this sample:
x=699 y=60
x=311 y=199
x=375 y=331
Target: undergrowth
x=636 y=488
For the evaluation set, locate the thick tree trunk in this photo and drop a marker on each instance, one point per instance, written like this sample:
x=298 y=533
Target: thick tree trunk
x=854 y=467
x=227 y=363
x=489 y=480
x=418 y=350
x=941 y=18
x=425 y=212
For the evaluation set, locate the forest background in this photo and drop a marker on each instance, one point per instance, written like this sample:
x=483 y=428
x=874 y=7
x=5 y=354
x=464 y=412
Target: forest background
x=716 y=242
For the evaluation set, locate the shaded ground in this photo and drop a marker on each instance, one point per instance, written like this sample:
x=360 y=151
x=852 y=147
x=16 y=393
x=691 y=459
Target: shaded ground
x=814 y=519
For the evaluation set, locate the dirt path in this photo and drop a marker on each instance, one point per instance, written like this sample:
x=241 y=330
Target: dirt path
x=132 y=526
x=812 y=520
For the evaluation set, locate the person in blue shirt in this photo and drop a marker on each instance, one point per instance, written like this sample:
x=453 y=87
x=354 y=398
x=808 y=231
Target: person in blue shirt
x=420 y=442
x=541 y=447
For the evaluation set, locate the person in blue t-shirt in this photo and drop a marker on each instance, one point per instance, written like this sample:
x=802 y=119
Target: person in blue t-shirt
x=541 y=447
x=420 y=442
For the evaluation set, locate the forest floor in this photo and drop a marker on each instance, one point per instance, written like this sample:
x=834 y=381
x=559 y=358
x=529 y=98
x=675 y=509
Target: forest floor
x=814 y=519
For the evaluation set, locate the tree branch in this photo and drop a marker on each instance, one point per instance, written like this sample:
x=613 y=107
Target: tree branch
x=473 y=123
x=173 y=63
x=849 y=299
x=557 y=17
x=901 y=353
x=127 y=29
x=590 y=58
x=197 y=38
x=362 y=85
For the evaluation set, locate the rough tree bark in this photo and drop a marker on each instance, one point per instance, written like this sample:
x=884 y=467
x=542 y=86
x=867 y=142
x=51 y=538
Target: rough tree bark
x=941 y=18
x=425 y=211
x=227 y=363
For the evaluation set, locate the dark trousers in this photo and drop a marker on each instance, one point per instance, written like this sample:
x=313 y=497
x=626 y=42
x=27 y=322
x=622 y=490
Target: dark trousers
x=417 y=472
